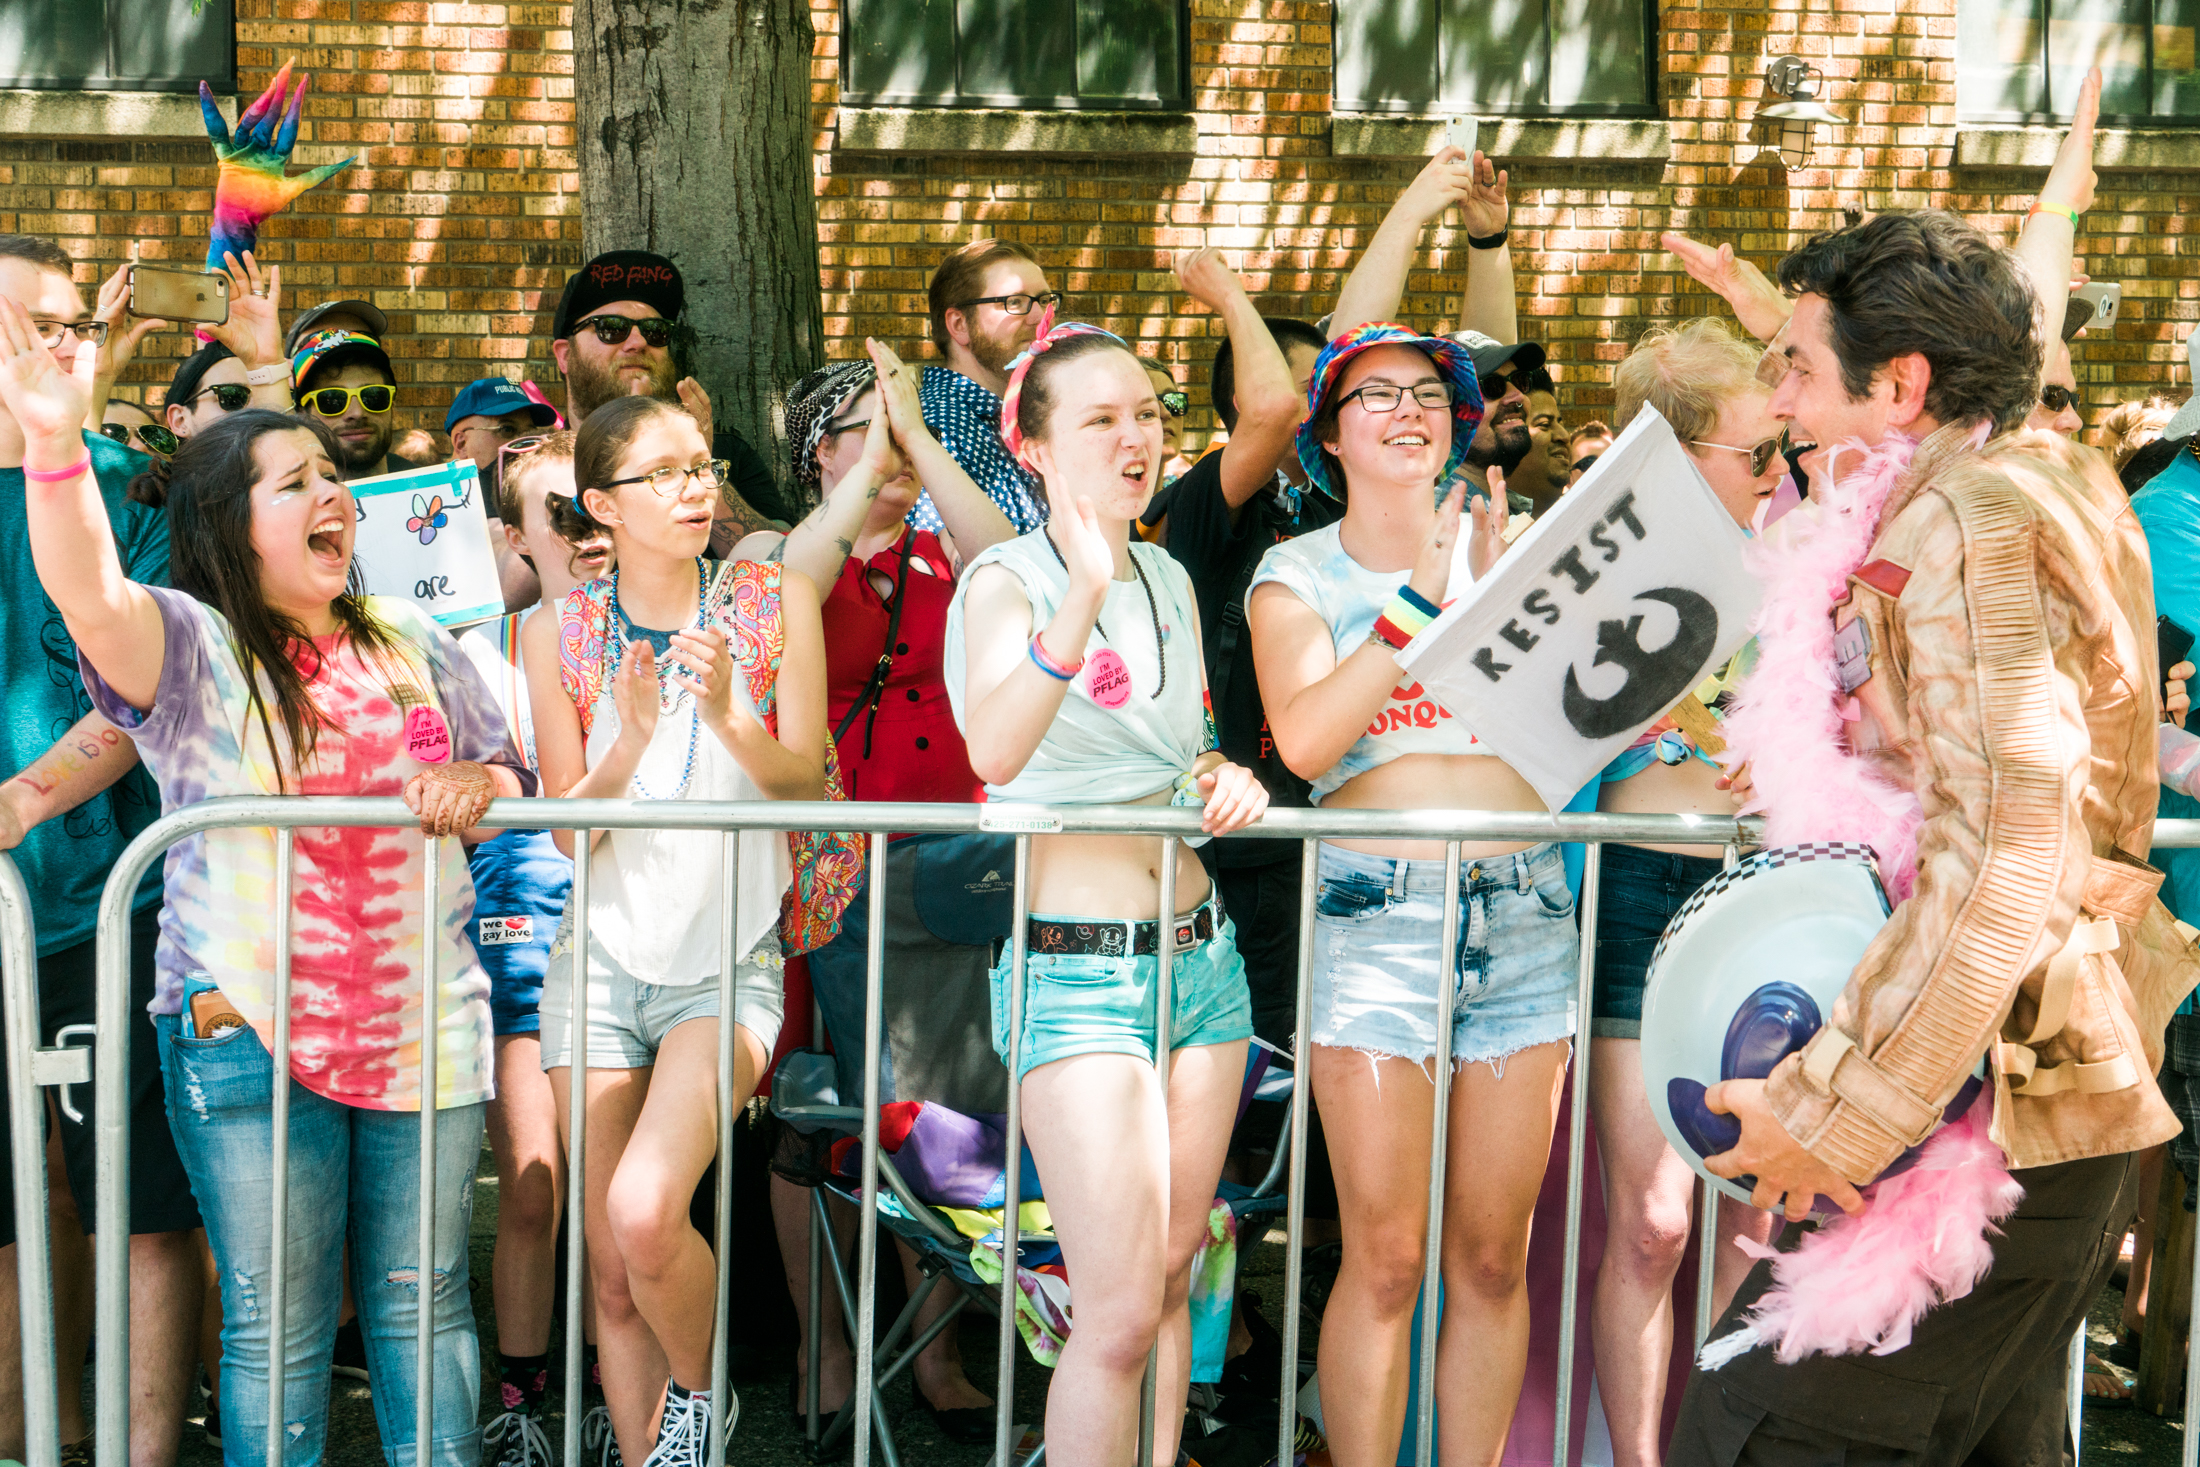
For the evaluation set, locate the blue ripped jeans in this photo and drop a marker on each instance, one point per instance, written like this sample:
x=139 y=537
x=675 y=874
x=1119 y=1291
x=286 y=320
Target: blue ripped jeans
x=354 y=1178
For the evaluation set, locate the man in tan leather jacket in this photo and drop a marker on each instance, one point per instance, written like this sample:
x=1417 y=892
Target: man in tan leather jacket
x=2008 y=612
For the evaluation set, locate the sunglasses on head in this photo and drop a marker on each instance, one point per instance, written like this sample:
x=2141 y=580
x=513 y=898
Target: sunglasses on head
x=2055 y=399
x=153 y=436
x=1760 y=455
x=1176 y=403
x=229 y=396
x=334 y=402
x=614 y=330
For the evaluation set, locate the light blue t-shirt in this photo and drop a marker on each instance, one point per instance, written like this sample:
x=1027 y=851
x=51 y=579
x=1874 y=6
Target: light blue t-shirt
x=2169 y=511
x=65 y=861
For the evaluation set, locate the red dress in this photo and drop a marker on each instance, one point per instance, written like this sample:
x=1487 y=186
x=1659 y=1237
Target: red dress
x=909 y=747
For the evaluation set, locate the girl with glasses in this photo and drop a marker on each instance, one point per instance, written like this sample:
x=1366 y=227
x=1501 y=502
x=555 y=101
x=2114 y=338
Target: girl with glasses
x=265 y=672
x=1073 y=663
x=1390 y=416
x=674 y=677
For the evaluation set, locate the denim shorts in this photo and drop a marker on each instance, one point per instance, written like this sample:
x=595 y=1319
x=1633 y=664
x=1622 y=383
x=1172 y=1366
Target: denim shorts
x=1078 y=1003
x=1638 y=893
x=629 y=1019
x=1379 y=921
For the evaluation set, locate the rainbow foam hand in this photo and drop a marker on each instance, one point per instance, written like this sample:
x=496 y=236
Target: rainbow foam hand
x=253 y=185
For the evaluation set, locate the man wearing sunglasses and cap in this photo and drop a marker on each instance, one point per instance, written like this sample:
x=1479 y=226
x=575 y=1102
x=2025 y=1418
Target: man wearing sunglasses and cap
x=612 y=337
x=345 y=380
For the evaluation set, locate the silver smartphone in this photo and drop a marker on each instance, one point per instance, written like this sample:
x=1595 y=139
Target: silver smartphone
x=1461 y=133
x=158 y=292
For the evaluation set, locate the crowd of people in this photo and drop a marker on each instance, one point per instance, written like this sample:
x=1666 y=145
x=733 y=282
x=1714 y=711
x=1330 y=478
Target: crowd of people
x=1007 y=574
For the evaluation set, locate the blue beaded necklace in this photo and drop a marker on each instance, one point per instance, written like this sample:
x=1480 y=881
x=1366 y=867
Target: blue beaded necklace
x=695 y=714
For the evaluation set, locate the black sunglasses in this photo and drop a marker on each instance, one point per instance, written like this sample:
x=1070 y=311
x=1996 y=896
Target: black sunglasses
x=614 y=330
x=1178 y=402
x=2055 y=399
x=155 y=438
x=1583 y=464
x=229 y=396
x=1016 y=305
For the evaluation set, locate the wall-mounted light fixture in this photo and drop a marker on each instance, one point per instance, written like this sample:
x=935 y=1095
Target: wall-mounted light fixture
x=1796 y=82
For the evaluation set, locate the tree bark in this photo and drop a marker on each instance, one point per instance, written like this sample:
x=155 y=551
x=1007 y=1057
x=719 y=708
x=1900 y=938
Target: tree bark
x=695 y=143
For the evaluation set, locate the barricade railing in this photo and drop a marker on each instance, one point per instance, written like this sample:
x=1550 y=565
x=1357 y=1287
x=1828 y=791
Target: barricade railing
x=285 y=814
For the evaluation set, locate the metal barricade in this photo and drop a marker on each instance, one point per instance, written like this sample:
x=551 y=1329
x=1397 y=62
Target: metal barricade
x=286 y=813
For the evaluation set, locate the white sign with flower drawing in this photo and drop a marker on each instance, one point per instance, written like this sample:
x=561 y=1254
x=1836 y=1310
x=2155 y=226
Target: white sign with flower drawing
x=424 y=536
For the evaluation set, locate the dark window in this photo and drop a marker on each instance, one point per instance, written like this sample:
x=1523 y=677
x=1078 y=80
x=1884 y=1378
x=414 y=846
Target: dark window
x=119 y=45
x=2024 y=60
x=1014 y=53
x=1497 y=57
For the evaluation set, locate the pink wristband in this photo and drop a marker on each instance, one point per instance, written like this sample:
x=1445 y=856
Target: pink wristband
x=58 y=476
x=1064 y=671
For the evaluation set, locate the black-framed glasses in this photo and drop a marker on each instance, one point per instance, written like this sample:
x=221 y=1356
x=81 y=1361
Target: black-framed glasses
x=836 y=429
x=669 y=481
x=1586 y=462
x=614 y=330
x=1760 y=455
x=228 y=396
x=334 y=402
x=50 y=331
x=152 y=437
x=1382 y=397
x=1016 y=305
x=2055 y=398
x=1176 y=402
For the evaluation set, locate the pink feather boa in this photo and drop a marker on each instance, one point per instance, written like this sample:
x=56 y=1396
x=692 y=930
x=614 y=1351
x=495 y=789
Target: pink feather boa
x=1858 y=1283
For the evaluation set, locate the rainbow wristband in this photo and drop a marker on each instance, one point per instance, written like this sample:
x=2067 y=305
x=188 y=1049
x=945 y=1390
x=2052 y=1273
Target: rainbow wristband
x=58 y=476
x=2044 y=206
x=1419 y=602
x=1390 y=634
x=1409 y=613
x=1049 y=666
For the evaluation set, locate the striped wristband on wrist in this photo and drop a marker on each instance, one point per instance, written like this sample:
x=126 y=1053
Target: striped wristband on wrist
x=1049 y=666
x=1406 y=617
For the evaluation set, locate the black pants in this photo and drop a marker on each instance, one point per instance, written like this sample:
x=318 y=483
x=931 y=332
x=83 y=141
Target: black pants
x=1984 y=1380
x=1263 y=901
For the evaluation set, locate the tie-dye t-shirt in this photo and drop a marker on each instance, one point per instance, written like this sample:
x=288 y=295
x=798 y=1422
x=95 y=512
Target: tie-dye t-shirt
x=356 y=913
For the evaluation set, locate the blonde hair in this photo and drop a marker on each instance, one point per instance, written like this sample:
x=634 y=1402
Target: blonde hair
x=1688 y=372
x=2128 y=427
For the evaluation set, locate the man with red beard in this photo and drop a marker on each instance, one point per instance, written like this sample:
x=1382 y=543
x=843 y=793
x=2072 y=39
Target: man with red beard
x=612 y=337
x=987 y=301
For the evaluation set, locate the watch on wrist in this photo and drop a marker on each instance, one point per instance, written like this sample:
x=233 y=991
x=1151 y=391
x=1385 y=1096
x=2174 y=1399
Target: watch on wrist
x=268 y=375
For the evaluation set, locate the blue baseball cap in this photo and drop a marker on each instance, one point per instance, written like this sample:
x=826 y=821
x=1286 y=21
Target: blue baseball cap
x=493 y=397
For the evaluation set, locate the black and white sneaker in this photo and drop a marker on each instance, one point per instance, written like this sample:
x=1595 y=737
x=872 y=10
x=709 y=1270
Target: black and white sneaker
x=515 y=1439
x=683 y=1433
x=597 y=1436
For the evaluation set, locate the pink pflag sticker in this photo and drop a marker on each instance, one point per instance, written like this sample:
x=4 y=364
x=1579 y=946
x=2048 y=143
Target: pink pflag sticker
x=428 y=735
x=1107 y=678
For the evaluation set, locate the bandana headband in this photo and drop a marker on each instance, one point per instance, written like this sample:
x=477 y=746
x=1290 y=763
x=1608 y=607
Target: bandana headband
x=816 y=400
x=1012 y=435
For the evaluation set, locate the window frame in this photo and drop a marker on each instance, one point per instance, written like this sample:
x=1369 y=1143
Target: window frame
x=1650 y=107
x=2128 y=121
x=968 y=102
x=220 y=15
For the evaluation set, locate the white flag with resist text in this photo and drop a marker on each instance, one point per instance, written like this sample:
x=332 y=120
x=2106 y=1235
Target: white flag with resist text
x=1616 y=602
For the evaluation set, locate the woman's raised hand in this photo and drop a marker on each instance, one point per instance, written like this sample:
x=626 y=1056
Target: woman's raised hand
x=49 y=404
x=1235 y=799
x=634 y=692
x=1431 y=576
x=1085 y=551
x=1492 y=511
x=897 y=392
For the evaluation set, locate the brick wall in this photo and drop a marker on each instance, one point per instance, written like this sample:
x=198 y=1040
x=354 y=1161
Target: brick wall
x=461 y=217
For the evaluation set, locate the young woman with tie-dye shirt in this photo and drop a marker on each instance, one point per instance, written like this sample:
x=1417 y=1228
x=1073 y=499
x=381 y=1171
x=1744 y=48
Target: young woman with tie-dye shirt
x=264 y=673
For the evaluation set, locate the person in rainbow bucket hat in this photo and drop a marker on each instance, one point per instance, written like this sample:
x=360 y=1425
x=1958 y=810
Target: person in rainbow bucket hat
x=1389 y=416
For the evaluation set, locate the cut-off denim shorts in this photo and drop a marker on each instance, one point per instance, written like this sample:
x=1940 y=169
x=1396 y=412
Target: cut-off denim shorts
x=1378 y=922
x=1087 y=1003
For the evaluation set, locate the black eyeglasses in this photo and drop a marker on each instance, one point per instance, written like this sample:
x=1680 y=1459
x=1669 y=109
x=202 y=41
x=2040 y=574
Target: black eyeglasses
x=1583 y=464
x=1015 y=305
x=228 y=396
x=1177 y=403
x=857 y=426
x=1759 y=455
x=152 y=436
x=1381 y=397
x=2055 y=399
x=334 y=402
x=614 y=330
x=50 y=332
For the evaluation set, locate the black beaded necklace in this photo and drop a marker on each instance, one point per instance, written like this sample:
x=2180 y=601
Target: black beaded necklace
x=1153 y=609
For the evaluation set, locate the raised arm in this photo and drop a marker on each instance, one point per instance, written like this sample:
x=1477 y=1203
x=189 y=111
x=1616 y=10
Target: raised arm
x=113 y=620
x=2046 y=247
x=1268 y=402
x=974 y=522
x=1319 y=706
x=819 y=546
x=1489 y=304
x=1757 y=303
x=85 y=761
x=1378 y=283
x=1009 y=700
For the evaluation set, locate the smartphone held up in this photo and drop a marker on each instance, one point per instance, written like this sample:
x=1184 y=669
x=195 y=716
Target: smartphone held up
x=198 y=297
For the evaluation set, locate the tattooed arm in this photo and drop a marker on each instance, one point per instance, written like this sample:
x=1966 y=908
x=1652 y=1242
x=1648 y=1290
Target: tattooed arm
x=84 y=762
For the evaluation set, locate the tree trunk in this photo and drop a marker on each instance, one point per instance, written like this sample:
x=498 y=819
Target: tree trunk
x=694 y=128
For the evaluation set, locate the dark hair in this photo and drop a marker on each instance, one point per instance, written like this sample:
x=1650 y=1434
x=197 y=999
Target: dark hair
x=962 y=274
x=1537 y=379
x=1926 y=282
x=190 y=372
x=1035 y=404
x=1222 y=379
x=2142 y=467
x=209 y=492
x=602 y=441
x=35 y=250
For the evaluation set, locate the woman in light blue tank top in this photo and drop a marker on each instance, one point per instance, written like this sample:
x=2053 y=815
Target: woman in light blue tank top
x=1073 y=664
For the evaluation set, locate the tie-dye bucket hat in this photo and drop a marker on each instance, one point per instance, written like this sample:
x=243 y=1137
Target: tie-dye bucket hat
x=1451 y=362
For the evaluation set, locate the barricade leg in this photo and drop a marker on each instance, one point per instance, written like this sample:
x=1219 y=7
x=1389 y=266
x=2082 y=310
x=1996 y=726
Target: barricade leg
x=1004 y=1384
x=430 y=1041
x=1577 y=1142
x=1432 y=1264
x=33 y=1244
x=874 y=1032
x=729 y=958
x=2188 y=1454
x=576 y=1158
x=111 y=1132
x=1164 y=1008
x=1707 y=1232
x=278 y=1287
x=1302 y=1085
x=2077 y=1395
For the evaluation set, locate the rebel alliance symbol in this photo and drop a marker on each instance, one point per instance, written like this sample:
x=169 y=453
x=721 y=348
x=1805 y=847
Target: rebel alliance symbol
x=1655 y=678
